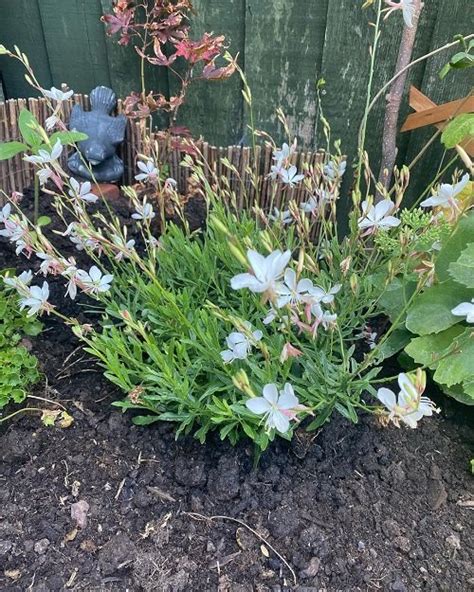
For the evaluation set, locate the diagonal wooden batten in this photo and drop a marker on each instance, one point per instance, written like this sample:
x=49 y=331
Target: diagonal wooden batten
x=429 y=113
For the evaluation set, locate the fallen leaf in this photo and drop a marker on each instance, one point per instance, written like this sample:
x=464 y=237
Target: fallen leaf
x=264 y=551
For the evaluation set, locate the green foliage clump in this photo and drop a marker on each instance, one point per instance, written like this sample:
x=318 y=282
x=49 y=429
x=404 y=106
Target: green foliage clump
x=18 y=367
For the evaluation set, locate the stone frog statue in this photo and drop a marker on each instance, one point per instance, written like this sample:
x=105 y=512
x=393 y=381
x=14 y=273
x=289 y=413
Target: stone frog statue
x=104 y=132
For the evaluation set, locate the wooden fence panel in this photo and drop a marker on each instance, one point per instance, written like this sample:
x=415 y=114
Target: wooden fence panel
x=76 y=43
x=20 y=24
x=283 y=54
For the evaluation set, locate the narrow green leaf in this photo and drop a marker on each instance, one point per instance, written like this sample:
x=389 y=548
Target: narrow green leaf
x=68 y=138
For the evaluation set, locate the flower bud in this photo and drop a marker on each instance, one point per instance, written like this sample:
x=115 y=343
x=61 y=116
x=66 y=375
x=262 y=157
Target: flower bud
x=241 y=381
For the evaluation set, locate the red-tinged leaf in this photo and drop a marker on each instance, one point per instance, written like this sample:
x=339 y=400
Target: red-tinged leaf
x=119 y=21
x=205 y=49
x=210 y=72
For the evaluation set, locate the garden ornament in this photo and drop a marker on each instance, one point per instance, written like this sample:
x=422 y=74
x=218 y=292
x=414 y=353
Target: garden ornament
x=105 y=132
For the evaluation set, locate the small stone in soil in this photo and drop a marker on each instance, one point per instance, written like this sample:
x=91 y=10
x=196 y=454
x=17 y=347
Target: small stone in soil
x=116 y=553
x=41 y=546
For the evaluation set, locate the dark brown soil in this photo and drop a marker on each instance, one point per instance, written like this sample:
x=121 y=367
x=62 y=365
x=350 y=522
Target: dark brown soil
x=351 y=508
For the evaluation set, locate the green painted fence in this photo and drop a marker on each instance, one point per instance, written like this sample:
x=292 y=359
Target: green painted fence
x=284 y=46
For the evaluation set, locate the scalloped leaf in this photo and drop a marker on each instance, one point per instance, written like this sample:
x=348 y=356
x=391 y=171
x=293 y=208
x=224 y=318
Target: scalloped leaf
x=462 y=270
x=428 y=349
x=453 y=248
x=458 y=367
x=431 y=310
x=457 y=130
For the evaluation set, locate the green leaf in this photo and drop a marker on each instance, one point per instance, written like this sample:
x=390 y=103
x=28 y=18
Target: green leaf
x=458 y=367
x=457 y=130
x=462 y=270
x=10 y=149
x=393 y=344
x=144 y=420
x=67 y=138
x=431 y=310
x=428 y=349
x=459 y=393
x=43 y=221
x=396 y=297
x=453 y=248
x=30 y=129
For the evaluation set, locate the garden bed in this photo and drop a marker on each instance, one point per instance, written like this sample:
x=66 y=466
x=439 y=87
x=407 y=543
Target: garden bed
x=350 y=507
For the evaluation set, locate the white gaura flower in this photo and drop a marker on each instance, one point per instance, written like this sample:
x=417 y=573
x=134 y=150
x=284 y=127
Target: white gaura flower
x=5 y=213
x=282 y=216
x=292 y=292
x=51 y=122
x=410 y=406
x=310 y=206
x=406 y=6
x=58 y=95
x=277 y=407
x=290 y=176
x=81 y=191
x=322 y=317
x=240 y=344
x=377 y=216
x=446 y=195
x=126 y=247
x=266 y=271
x=465 y=309
x=45 y=157
x=333 y=171
x=319 y=294
x=36 y=300
x=21 y=282
x=286 y=151
x=50 y=264
x=149 y=171
x=94 y=282
x=44 y=174
x=144 y=212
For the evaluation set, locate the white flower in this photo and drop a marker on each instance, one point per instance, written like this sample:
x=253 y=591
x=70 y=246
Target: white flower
x=290 y=176
x=292 y=292
x=410 y=407
x=332 y=172
x=94 y=282
x=58 y=95
x=446 y=195
x=51 y=122
x=374 y=217
x=45 y=157
x=44 y=174
x=465 y=309
x=149 y=171
x=144 y=212
x=36 y=299
x=310 y=206
x=81 y=191
x=319 y=294
x=49 y=263
x=286 y=151
x=126 y=247
x=5 y=213
x=322 y=317
x=407 y=7
x=266 y=271
x=240 y=344
x=282 y=216
x=21 y=282
x=278 y=408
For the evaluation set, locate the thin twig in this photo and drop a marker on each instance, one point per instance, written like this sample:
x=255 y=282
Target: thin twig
x=196 y=516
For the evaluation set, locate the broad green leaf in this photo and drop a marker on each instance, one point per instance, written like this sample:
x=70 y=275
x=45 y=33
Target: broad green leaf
x=396 y=297
x=459 y=367
x=462 y=270
x=431 y=310
x=457 y=130
x=11 y=149
x=458 y=392
x=393 y=344
x=67 y=138
x=428 y=349
x=453 y=247
x=30 y=129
